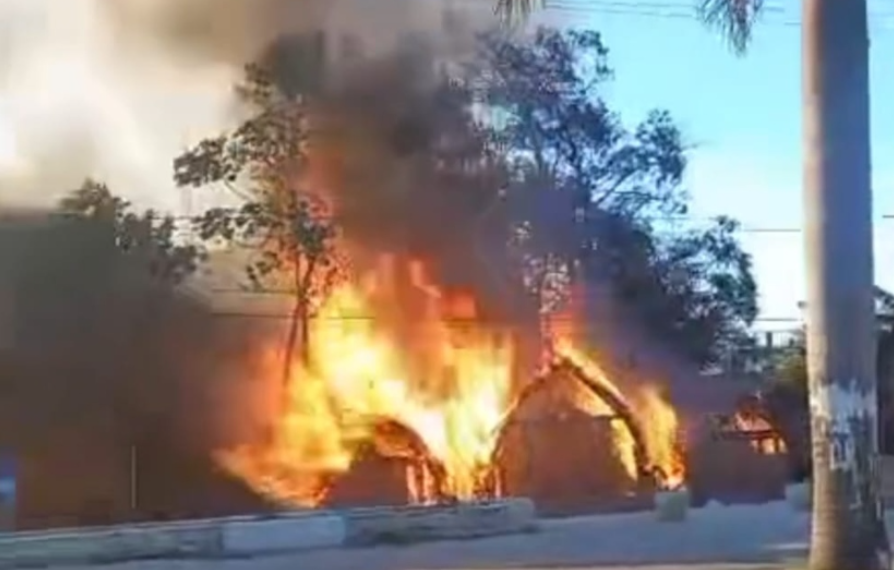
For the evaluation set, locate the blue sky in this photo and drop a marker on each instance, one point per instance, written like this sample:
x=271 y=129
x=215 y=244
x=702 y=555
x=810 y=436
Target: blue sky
x=744 y=116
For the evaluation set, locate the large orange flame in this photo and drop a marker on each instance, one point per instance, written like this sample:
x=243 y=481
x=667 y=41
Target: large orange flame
x=654 y=415
x=450 y=381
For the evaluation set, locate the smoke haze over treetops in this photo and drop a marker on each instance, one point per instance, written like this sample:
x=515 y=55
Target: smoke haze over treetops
x=115 y=88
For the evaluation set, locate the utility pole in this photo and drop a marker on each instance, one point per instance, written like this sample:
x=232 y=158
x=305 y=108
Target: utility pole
x=848 y=528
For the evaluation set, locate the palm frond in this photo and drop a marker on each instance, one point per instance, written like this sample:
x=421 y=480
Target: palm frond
x=733 y=18
x=514 y=10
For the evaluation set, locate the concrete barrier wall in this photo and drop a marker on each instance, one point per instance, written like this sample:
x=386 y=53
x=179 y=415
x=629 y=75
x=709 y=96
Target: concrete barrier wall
x=461 y=521
x=288 y=532
x=202 y=538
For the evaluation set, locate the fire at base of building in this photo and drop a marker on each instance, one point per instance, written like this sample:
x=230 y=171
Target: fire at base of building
x=433 y=406
x=445 y=410
x=603 y=464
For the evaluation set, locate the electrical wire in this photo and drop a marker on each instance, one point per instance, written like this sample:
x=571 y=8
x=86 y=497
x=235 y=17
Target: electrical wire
x=678 y=11
x=185 y=223
x=262 y=315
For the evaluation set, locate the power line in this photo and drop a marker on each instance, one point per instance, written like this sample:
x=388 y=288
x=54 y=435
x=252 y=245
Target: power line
x=268 y=293
x=745 y=228
x=262 y=315
x=588 y=4
x=669 y=10
x=287 y=293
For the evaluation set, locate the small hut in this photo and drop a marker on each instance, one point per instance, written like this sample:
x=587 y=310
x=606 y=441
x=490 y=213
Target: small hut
x=566 y=450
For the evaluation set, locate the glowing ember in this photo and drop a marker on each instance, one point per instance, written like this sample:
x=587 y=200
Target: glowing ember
x=763 y=437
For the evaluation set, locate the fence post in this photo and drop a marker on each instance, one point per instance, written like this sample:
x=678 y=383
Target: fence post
x=8 y=491
x=134 y=500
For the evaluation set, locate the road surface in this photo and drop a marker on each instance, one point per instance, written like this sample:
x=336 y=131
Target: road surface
x=716 y=538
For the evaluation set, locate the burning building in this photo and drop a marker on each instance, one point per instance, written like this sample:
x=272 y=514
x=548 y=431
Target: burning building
x=427 y=373
x=416 y=393
x=438 y=405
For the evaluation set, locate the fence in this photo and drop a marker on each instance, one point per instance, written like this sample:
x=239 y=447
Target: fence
x=91 y=483
x=568 y=465
x=736 y=464
x=84 y=481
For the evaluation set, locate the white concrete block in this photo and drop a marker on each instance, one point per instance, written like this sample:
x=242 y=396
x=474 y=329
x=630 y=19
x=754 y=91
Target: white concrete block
x=37 y=550
x=672 y=506
x=799 y=496
x=443 y=522
x=284 y=534
x=109 y=544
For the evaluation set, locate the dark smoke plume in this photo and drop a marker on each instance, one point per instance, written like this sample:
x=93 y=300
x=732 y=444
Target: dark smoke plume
x=395 y=146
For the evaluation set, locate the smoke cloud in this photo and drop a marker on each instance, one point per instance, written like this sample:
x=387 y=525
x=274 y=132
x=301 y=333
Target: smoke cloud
x=233 y=31
x=116 y=88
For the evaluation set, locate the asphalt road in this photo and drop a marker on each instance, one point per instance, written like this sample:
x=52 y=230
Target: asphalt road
x=715 y=538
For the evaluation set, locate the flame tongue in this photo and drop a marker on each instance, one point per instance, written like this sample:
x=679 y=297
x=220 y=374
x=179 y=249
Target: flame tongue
x=361 y=387
x=434 y=393
x=649 y=442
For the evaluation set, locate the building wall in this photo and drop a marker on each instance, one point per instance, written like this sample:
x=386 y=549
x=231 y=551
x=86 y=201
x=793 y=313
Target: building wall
x=15 y=230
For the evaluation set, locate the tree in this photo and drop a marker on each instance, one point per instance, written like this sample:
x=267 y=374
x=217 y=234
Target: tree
x=115 y=359
x=94 y=249
x=94 y=282
x=587 y=197
x=133 y=272
x=380 y=129
x=147 y=237
x=288 y=226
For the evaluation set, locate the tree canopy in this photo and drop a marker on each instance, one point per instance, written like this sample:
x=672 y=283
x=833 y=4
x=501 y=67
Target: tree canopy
x=517 y=146
x=93 y=250
x=596 y=195
x=147 y=237
x=95 y=285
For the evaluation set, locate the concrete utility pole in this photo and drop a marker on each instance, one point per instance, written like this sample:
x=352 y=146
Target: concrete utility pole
x=848 y=531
